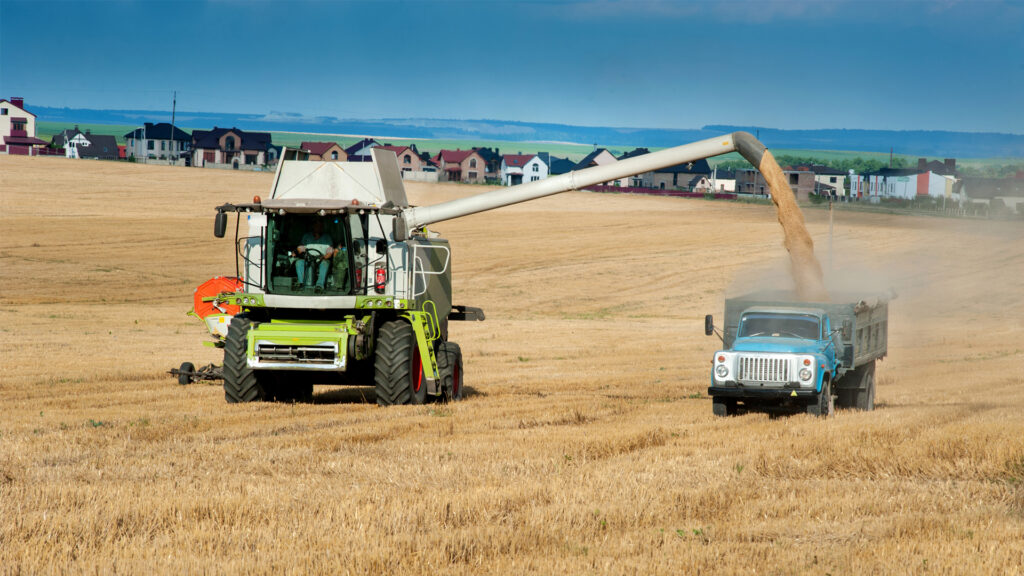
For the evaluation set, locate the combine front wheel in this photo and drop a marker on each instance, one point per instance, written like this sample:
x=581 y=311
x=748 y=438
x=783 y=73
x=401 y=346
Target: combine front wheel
x=398 y=368
x=240 y=382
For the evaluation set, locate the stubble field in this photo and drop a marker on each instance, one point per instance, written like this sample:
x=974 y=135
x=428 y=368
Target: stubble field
x=586 y=443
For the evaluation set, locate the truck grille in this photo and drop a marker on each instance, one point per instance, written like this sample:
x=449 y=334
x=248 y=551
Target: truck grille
x=763 y=369
x=322 y=354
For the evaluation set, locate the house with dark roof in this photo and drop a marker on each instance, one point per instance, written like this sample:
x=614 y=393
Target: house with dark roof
x=231 y=148
x=96 y=147
x=681 y=176
x=512 y=167
x=557 y=166
x=325 y=151
x=360 y=151
x=492 y=162
x=461 y=166
x=67 y=139
x=157 y=142
x=600 y=157
x=18 y=129
x=642 y=180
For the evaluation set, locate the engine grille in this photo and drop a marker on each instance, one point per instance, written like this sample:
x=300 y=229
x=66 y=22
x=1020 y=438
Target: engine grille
x=324 y=354
x=763 y=369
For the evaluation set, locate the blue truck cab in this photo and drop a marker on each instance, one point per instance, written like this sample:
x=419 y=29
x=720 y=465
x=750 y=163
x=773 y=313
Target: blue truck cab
x=781 y=354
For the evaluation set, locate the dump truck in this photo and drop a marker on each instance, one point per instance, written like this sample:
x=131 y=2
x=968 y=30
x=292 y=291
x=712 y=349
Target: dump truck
x=340 y=280
x=783 y=354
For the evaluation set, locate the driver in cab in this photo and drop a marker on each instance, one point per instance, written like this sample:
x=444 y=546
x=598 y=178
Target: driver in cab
x=315 y=251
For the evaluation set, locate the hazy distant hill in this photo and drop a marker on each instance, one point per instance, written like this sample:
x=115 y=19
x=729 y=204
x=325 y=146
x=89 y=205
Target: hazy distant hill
x=914 y=142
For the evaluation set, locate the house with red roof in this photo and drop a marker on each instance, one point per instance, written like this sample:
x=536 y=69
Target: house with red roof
x=18 y=129
x=408 y=158
x=512 y=166
x=461 y=166
x=327 y=151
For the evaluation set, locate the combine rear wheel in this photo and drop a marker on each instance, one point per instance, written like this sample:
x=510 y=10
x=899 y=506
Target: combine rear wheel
x=449 y=366
x=241 y=384
x=398 y=368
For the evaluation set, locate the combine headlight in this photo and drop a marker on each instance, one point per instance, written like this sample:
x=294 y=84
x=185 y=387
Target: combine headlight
x=721 y=370
x=805 y=374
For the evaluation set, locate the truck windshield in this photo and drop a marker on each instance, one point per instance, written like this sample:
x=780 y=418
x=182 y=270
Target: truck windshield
x=780 y=326
x=312 y=254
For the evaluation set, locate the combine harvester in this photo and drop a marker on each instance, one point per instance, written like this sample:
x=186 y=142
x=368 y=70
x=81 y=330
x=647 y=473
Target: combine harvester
x=381 y=309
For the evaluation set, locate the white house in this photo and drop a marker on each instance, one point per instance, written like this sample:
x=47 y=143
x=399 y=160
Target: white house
x=157 y=142
x=512 y=168
x=18 y=128
x=535 y=169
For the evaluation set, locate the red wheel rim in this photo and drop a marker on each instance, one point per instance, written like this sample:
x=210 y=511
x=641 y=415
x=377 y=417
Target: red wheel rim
x=417 y=369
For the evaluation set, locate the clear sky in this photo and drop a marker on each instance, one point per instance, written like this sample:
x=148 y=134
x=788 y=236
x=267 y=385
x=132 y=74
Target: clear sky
x=798 y=64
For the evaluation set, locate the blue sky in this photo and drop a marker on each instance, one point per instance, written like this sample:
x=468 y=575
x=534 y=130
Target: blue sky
x=801 y=64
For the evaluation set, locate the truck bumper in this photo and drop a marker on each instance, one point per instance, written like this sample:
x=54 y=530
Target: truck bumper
x=759 y=393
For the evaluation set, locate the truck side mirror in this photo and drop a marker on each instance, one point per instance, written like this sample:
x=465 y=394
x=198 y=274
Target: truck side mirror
x=847 y=330
x=709 y=325
x=220 y=224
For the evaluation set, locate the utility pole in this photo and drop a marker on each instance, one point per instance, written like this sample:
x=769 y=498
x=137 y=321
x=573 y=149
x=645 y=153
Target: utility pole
x=174 y=108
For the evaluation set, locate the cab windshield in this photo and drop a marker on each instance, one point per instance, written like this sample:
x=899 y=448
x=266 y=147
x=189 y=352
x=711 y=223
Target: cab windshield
x=780 y=326
x=311 y=254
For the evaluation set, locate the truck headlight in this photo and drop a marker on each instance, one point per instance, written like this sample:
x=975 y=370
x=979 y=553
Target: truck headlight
x=806 y=374
x=721 y=370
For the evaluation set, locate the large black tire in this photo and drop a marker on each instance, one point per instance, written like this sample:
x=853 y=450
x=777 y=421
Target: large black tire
x=398 y=368
x=185 y=373
x=449 y=366
x=824 y=405
x=720 y=409
x=864 y=398
x=241 y=383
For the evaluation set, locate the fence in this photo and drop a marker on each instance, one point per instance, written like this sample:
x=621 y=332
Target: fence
x=659 y=192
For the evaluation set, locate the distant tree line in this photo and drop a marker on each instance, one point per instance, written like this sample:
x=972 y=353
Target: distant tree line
x=864 y=165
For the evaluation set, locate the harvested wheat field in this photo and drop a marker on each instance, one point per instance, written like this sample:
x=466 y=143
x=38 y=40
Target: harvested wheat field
x=586 y=443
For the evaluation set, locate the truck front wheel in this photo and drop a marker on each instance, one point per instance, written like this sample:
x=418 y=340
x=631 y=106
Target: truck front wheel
x=824 y=405
x=398 y=369
x=241 y=383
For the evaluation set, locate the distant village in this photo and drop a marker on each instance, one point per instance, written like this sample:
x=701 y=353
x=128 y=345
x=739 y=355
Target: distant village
x=236 y=149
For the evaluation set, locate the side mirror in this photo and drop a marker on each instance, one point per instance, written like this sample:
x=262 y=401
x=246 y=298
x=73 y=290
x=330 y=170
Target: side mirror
x=847 y=329
x=709 y=325
x=381 y=246
x=220 y=224
x=400 y=232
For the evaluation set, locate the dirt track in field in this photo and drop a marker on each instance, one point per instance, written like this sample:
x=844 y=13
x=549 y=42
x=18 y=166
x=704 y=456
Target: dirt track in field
x=587 y=442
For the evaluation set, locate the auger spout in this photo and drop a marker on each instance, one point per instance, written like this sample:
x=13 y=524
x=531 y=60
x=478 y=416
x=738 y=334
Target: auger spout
x=742 y=142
